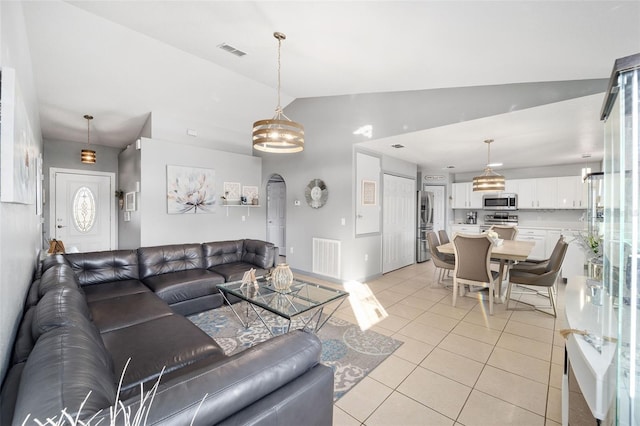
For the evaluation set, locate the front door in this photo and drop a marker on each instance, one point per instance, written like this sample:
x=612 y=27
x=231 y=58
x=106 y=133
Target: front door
x=83 y=210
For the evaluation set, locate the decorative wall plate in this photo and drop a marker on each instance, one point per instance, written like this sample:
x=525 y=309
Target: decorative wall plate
x=316 y=193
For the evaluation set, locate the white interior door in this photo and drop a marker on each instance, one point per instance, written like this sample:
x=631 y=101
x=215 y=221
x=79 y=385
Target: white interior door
x=399 y=222
x=83 y=210
x=276 y=198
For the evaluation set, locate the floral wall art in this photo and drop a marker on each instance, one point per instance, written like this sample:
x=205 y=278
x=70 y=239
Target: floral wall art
x=190 y=190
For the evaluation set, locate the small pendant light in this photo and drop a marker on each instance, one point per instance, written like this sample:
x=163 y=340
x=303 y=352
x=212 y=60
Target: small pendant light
x=88 y=156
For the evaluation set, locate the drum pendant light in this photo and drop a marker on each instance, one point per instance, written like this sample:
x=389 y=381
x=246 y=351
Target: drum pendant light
x=88 y=156
x=489 y=181
x=278 y=134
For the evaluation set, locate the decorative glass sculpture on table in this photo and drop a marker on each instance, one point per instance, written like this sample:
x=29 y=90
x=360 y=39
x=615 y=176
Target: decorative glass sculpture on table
x=282 y=277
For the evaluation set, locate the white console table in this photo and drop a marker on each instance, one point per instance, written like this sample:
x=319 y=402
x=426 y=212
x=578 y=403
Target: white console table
x=594 y=370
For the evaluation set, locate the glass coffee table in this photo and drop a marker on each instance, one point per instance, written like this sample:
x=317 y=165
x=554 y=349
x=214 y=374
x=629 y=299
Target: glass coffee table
x=302 y=298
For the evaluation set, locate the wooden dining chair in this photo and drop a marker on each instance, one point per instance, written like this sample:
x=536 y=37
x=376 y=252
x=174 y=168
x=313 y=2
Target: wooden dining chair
x=472 y=265
x=441 y=262
x=547 y=279
x=505 y=232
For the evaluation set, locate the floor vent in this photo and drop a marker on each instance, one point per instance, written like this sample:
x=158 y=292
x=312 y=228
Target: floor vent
x=326 y=257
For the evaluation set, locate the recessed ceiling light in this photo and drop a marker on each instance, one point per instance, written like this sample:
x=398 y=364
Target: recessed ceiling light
x=494 y=165
x=397 y=145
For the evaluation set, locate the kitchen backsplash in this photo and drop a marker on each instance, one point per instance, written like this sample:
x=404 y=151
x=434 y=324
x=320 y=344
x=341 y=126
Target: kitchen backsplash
x=572 y=219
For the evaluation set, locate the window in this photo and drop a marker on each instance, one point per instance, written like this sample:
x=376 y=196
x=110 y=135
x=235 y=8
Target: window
x=84 y=209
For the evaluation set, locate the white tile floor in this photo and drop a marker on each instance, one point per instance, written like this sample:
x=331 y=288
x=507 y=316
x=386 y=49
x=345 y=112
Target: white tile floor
x=457 y=366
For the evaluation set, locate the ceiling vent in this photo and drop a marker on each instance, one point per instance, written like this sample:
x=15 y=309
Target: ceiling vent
x=228 y=48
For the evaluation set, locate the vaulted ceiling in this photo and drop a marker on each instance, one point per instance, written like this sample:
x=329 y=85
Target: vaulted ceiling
x=122 y=60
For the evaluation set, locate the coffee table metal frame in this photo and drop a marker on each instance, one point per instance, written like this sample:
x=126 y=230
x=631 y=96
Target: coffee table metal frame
x=303 y=297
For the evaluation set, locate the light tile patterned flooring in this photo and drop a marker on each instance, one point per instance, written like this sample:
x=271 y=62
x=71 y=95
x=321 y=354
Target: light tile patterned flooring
x=457 y=366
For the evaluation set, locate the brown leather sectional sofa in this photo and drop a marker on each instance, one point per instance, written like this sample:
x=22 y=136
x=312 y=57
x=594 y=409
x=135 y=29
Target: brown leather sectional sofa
x=90 y=315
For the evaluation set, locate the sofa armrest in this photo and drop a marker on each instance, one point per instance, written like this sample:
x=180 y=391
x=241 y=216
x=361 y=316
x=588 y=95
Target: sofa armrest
x=233 y=383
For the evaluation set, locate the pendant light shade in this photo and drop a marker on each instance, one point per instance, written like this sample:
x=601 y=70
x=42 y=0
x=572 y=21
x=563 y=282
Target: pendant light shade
x=489 y=181
x=88 y=156
x=278 y=134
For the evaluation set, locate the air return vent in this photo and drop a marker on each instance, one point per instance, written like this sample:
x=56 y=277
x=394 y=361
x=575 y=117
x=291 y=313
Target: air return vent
x=228 y=48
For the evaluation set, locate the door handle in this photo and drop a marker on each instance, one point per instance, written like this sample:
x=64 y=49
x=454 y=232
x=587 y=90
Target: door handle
x=61 y=226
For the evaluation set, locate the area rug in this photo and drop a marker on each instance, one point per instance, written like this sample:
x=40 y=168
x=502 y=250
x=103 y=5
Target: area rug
x=350 y=352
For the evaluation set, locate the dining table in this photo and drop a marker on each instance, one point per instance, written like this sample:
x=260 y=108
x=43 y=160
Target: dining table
x=508 y=253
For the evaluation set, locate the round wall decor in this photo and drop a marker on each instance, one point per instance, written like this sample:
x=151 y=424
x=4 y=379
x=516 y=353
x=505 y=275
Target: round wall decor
x=316 y=193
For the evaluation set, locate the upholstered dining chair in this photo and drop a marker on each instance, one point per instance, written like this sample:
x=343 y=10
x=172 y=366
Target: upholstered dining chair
x=440 y=261
x=444 y=239
x=538 y=266
x=505 y=232
x=472 y=266
x=547 y=279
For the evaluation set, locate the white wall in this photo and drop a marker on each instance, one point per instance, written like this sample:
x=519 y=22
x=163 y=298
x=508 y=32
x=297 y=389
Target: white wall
x=128 y=177
x=226 y=223
x=328 y=155
x=20 y=228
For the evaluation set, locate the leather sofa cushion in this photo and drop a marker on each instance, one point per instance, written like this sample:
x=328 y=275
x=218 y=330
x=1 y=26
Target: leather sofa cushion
x=52 y=260
x=235 y=271
x=104 y=266
x=221 y=252
x=238 y=381
x=34 y=294
x=59 y=374
x=114 y=289
x=184 y=285
x=59 y=307
x=172 y=258
x=56 y=276
x=259 y=253
x=24 y=340
x=118 y=312
x=9 y=393
x=178 y=344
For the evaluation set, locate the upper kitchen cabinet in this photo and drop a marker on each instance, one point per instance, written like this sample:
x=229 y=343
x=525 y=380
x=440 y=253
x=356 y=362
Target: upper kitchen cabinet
x=464 y=197
x=547 y=193
x=572 y=193
x=526 y=190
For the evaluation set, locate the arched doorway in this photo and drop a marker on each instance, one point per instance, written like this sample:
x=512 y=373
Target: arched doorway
x=276 y=212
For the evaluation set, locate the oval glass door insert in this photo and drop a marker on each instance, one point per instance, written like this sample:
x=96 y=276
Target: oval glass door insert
x=84 y=209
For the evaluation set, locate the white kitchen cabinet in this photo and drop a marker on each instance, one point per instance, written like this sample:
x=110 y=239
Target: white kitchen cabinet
x=546 y=192
x=527 y=197
x=537 y=236
x=459 y=194
x=572 y=193
x=538 y=193
x=464 y=229
x=464 y=197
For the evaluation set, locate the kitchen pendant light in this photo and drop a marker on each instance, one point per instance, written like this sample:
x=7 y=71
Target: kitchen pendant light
x=489 y=181
x=88 y=156
x=278 y=134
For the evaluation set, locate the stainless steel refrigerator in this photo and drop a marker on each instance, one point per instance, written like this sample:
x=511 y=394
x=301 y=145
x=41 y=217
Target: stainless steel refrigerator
x=425 y=203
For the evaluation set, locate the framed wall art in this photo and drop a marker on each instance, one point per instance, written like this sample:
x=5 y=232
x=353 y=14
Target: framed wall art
x=18 y=150
x=232 y=191
x=130 y=202
x=369 y=192
x=190 y=190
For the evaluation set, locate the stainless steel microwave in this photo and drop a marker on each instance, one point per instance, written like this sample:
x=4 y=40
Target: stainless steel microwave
x=500 y=202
